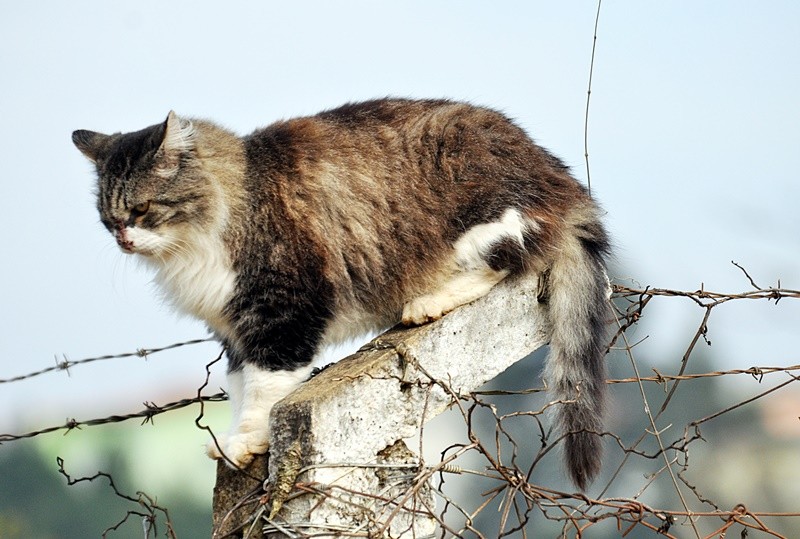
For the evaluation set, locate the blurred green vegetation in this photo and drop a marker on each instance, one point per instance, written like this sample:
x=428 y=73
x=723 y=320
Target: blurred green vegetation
x=164 y=461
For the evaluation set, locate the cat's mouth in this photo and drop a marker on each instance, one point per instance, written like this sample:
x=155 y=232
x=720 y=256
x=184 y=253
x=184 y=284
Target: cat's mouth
x=128 y=245
x=134 y=250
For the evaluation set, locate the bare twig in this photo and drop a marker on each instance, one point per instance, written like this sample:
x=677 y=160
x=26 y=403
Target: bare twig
x=507 y=462
x=589 y=97
x=148 y=509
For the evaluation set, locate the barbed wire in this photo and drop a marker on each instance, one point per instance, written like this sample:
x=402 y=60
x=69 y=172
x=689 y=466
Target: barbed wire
x=507 y=469
x=150 y=411
x=65 y=363
x=516 y=494
x=519 y=496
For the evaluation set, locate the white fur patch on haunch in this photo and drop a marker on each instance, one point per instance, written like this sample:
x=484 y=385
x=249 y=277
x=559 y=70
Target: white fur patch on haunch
x=253 y=392
x=472 y=277
x=472 y=247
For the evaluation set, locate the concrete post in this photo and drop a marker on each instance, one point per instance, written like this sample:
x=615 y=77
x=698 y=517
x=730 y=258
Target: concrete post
x=338 y=463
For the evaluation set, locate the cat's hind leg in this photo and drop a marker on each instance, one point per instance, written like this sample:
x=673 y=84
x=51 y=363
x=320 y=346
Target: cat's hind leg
x=462 y=288
x=483 y=256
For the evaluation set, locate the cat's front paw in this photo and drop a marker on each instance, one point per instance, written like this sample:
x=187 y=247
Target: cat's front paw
x=422 y=310
x=238 y=450
x=242 y=448
x=215 y=445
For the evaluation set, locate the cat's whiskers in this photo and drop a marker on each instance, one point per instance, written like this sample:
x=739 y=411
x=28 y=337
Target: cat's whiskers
x=171 y=249
x=120 y=266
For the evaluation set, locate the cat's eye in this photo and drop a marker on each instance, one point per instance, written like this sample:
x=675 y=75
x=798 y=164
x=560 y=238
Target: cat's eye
x=140 y=209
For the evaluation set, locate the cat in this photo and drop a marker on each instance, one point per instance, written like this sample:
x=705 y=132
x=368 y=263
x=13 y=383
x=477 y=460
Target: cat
x=315 y=230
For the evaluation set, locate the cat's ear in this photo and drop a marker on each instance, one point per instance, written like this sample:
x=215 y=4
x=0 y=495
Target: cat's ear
x=89 y=143
x=179 y=135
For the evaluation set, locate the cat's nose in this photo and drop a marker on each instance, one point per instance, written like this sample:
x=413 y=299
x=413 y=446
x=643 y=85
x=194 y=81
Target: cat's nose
x=123 y=241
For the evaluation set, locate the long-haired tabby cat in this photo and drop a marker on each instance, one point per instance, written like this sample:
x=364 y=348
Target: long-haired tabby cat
x=315 y=230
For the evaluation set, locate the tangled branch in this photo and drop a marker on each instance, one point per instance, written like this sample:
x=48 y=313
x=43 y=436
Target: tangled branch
x=501 y=465
x=148 y=509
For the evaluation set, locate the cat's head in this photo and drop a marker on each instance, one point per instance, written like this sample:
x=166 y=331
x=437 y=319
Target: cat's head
x=152 y=194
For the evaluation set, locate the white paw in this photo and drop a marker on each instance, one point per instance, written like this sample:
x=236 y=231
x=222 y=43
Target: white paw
x=422 y=310
x=238 y=449
x=213 y=447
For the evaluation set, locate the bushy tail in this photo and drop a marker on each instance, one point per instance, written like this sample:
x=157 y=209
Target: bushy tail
x=577 y=297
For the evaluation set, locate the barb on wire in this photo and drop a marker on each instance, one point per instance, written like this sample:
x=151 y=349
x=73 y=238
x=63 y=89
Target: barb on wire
x=704 y=298
x=756 y=372
x=65 y=364
x=151 y=410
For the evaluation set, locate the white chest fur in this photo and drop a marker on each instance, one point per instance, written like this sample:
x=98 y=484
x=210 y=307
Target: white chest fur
x=198 y=280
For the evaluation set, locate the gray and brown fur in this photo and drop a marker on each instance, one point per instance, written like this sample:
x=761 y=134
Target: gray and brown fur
x=317 y=229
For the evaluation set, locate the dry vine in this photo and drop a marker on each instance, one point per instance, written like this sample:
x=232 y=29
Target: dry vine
x=502 y=465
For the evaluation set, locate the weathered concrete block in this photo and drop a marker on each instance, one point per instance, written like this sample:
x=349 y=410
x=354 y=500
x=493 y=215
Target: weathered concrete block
x=337 y=462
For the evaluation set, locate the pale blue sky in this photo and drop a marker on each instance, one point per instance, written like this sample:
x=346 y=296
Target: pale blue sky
x=693 y=141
